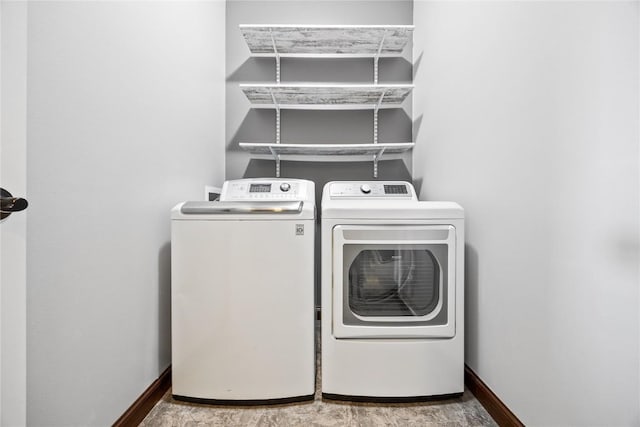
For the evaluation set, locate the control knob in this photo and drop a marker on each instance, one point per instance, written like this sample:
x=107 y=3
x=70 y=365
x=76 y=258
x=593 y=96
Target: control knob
x=365 y=189
x=285 y=186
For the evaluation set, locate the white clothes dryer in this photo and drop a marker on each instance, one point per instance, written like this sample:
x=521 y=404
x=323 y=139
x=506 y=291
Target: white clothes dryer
x=392 y=293
x=242 y=294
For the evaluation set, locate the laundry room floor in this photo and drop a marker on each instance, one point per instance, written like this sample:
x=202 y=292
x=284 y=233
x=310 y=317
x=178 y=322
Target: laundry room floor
x=462 y=411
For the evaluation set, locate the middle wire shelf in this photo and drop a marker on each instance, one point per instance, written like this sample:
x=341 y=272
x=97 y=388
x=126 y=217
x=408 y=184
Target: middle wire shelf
x=326 y=96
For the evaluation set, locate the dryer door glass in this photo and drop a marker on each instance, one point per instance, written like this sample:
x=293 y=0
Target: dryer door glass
x=394 y=282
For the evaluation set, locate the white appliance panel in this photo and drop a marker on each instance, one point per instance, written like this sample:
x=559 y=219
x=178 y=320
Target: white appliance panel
x=363 y=190
x=266 y=189
x=242 y=309
x=380 y=358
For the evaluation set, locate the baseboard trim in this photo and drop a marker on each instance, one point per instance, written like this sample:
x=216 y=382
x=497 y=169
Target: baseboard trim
x=139 y=409
x=494 y=406
x=147 y=400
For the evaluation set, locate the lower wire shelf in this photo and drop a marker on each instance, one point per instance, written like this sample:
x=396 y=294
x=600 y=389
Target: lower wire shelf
x=325 y=149
x=376 y=150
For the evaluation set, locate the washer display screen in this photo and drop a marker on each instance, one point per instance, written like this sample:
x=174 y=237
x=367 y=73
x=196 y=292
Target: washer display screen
x=260 y=188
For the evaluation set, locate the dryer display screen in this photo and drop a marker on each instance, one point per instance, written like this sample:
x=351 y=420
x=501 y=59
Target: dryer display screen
x=395 y=189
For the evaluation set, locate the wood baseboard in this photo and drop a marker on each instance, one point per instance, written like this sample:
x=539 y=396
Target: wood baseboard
x=494 y=406
x=147 y=400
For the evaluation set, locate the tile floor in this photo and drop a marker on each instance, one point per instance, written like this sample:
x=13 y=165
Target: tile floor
x=462 y=411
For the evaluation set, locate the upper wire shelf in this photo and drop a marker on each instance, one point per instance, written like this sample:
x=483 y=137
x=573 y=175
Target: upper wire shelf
x=355 y=41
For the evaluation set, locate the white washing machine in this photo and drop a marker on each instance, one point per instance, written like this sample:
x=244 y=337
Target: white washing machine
x=242 y=294
x=392 y=293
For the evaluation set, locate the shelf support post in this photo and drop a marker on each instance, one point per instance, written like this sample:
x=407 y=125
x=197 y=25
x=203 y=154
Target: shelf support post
x=376 y=158
x=276 y=158
x=278 y=125
x=376 y=57
x=277 y=54
x=275 y=51
x=375 y=70
x=275 y=103
x=375 y=117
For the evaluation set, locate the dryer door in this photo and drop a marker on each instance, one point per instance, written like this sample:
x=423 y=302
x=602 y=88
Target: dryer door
x=393 y=281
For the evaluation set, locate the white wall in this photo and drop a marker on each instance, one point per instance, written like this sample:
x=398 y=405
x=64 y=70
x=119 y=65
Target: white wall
x=13 y=177
x=527 y=114
x=125 y=119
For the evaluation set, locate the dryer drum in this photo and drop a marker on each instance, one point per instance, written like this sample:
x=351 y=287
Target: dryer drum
x=394 y=282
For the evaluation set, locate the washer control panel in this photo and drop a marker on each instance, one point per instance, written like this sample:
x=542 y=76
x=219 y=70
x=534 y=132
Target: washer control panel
x=372 y=189
x=263 y=190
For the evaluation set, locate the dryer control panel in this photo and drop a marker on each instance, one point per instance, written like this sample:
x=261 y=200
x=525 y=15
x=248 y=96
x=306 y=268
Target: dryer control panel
x=372 y=189
x=263 y=190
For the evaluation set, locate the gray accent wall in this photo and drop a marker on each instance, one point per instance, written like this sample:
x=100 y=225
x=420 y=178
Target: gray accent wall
x=527 y=115
x=125 y=120
x=244 y=124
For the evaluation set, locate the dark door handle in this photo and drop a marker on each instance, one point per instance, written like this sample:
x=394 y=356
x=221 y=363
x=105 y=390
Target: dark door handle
x=9 y=204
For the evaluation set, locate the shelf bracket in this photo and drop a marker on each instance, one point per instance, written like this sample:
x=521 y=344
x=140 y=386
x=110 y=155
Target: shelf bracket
x=276 y=158
x=275 y=51
x=273 y=98
x=376 y=57
x=375 y=117
x=376 y=158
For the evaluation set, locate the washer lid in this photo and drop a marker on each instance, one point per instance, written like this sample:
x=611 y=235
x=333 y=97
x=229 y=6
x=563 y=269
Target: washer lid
x=230 y=208
x=254 y=199
x=244 y=211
